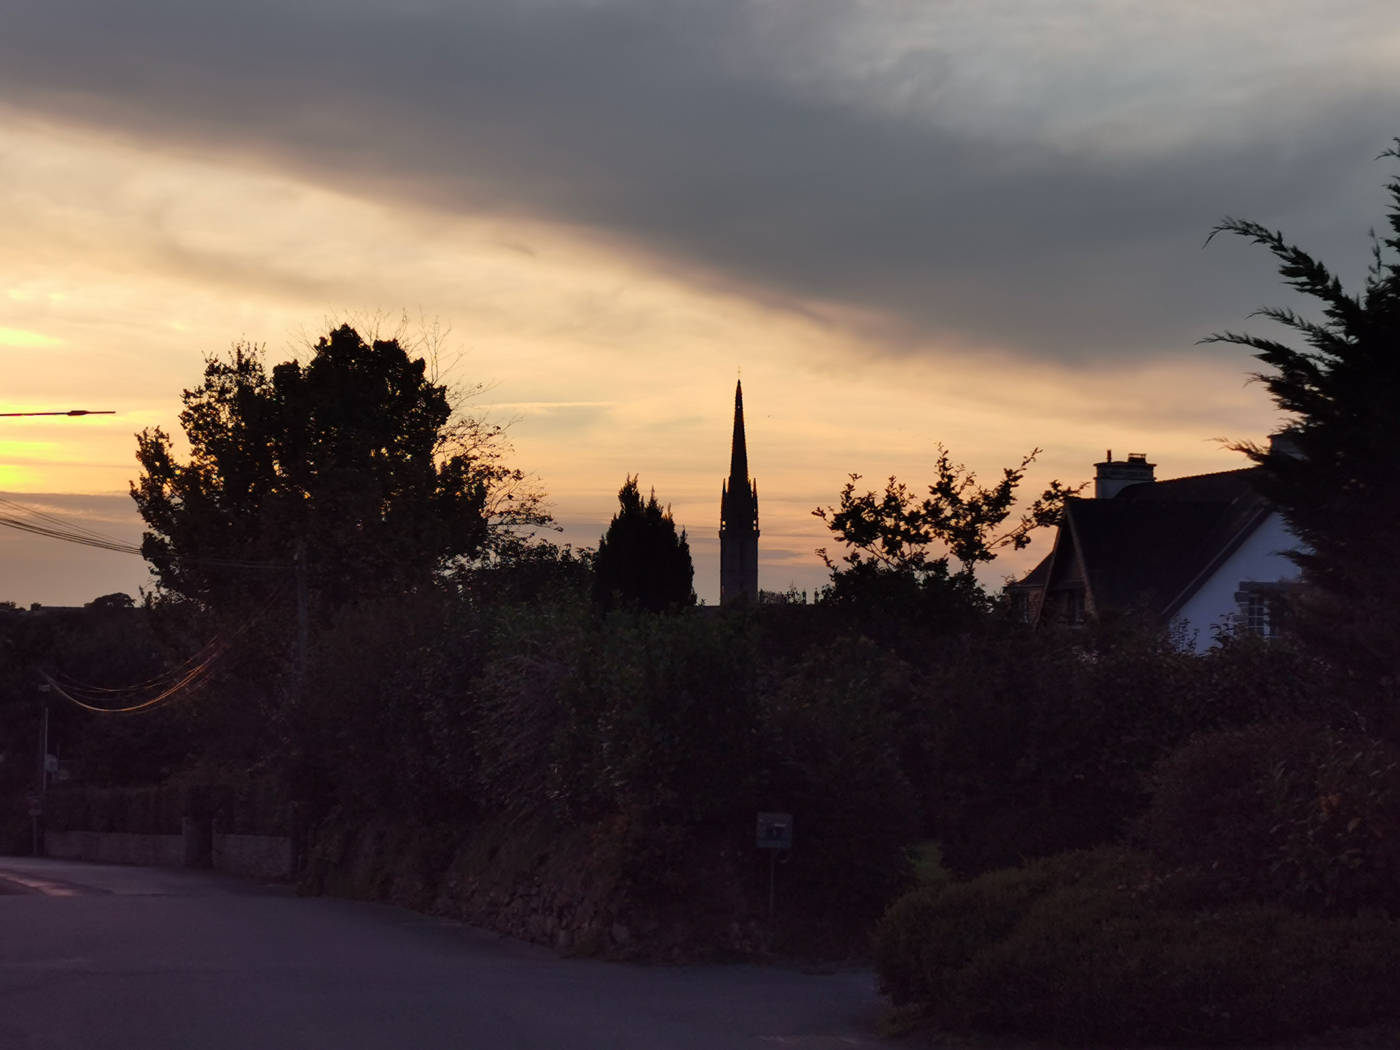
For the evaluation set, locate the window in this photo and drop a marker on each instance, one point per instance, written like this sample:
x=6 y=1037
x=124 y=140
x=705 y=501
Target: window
x=1260 y=608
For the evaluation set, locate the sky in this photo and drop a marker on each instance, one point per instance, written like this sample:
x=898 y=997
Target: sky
x=977 y=223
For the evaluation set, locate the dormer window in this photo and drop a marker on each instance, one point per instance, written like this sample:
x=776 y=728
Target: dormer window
x=1074 y=607
x=1260 y=607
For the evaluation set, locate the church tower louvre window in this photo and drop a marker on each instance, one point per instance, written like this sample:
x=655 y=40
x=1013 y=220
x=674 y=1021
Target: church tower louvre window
x=738 y=520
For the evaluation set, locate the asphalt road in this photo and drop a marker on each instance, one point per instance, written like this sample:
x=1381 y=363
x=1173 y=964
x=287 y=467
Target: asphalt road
x=96 y=957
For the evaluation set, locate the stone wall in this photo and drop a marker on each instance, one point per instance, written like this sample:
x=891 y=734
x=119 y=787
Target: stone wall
x=114 y=847
x=563 y=886
x=254 y=856
x=251 y=856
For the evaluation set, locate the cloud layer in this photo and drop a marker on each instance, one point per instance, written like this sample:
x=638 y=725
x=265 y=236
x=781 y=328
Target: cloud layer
x=1033 y=179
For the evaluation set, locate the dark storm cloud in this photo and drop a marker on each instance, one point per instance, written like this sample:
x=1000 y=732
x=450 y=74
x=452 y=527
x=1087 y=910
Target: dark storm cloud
x=686 y=131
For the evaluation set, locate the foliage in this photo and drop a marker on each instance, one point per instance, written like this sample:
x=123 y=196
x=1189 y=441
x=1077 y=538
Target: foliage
x=1020 y=744
x=1336 y=477
x=387 y=724
x=101 y=649
x=1103 y=964
x=641 y=561
x=354 y=464
x=1083 y=947
x=1283 y=812
x=898 y=531
x=927 y=937
x=658 y=720
x=830 y=756
x=520 y=699
x=116 y=600
x=529 y=572
x=139 y=810
x=667 y=734
x=1025 y=744
x=903 y=609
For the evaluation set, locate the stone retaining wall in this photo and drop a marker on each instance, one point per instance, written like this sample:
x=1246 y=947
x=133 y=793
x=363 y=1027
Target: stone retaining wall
x=252 y=856
x=111 y=847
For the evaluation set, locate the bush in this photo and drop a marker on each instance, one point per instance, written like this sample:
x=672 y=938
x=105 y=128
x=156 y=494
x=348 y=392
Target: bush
x=829 y=758
x=667 y=735
x=1029 y=748
x=143 y=811
x=384 y=724
x=928 y=937
x=1086 y=947
x=1299 y=814
x=658 y=720
x=519 y=703
x=1087 y=963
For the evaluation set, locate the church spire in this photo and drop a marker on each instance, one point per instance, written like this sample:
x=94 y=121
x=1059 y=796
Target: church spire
x=738 y=519
x=738 y=450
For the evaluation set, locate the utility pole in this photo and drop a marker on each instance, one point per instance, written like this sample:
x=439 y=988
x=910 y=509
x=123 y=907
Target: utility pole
x=303 y=614
x=36 y=807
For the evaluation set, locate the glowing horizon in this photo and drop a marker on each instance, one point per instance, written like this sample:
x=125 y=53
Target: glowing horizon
x=905 y=232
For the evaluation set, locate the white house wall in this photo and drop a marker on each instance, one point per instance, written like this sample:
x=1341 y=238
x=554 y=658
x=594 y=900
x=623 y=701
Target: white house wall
x=1258 y=559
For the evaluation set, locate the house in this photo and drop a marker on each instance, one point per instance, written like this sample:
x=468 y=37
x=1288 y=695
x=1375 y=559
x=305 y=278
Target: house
x=1202 y=554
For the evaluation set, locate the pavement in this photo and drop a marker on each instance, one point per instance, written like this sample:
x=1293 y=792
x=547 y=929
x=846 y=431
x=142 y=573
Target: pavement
x=104 y=957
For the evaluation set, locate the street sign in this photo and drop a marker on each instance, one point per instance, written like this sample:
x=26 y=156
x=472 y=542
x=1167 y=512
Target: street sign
x=775 y=831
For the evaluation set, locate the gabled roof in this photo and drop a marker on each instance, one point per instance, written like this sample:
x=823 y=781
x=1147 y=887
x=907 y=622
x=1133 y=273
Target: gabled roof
x=1222 y=486
x=1156 y=543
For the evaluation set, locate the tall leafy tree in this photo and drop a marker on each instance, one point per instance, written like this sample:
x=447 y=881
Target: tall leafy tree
x=352 y=471
x=899 y=532
x=642 y=561
x=1336 y=476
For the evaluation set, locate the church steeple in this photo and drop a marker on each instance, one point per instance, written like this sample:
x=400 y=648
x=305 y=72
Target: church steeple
x=738 y=519
x=738 y=450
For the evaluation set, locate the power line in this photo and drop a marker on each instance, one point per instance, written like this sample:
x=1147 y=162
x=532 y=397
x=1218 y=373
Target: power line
x=184 y=676
x=159 y=681
x=68 y=536
x=189 y=678
x=61 y=523
x=68 y=532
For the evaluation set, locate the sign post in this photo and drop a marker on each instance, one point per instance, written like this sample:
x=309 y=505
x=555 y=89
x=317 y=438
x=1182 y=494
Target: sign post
x=774 y=834
x=36 y=810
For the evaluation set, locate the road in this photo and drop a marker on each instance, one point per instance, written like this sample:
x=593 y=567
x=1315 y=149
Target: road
x=96 y=957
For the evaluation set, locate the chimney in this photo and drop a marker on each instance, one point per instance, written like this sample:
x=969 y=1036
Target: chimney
x=1112 y=476
x=1284 y=444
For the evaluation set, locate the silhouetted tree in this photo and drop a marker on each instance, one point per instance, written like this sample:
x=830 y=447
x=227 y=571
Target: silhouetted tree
x=115 y=600
x=354 y=463
x=898 y=532
x=641 y=560
x=1336 y=474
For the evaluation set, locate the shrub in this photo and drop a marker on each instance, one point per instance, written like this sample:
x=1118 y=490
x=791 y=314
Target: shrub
x=1300 y=814
x=828 y=757
x=519 y=704
x=1030 y=747
x=928 y=937
x=1090 y=963
x=657 y=719
x=1086 y=947
x=383 y=725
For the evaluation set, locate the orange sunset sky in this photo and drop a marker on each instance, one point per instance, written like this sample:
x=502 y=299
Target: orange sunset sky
x=975 y=223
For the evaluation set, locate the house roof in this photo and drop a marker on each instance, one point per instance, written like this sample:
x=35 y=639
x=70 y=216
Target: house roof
x=1036 y=578
x=1222 y=486
x=1155 y=543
